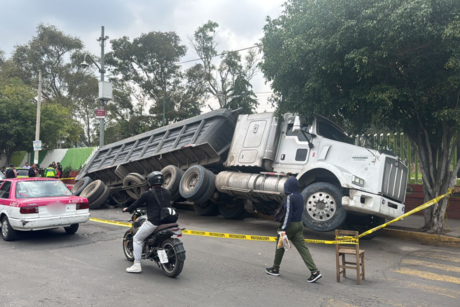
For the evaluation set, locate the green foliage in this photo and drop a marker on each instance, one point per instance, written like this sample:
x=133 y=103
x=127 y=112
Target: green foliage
x=229 y=82
x=17 y=117
x=382 y=63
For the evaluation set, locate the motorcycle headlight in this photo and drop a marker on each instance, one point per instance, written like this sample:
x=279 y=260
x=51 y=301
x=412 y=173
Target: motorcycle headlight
x=358 y=181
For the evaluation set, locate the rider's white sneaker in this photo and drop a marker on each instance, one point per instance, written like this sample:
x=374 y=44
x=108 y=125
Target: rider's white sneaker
x=135 y=268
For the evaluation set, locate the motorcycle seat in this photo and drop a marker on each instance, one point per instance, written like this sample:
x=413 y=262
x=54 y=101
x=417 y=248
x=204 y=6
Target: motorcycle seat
x=164 y=226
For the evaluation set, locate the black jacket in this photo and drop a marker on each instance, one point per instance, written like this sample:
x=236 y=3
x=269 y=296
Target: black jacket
x=148 y=200
x=32 y=172
x=293 y=204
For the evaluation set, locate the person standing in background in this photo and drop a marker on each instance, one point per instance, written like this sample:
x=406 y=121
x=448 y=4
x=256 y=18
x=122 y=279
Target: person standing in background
x=11 y=173
x=59 y=169
x=33 y=171
x=26 y=166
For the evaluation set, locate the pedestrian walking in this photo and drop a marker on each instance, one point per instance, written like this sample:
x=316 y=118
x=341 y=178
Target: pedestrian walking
x=26 y=166
x=50 y=172
x=292 y=227
x=11 y=173
x=3 y=170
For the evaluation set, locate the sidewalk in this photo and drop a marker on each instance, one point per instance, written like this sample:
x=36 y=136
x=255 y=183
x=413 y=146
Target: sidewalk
x=415 y=222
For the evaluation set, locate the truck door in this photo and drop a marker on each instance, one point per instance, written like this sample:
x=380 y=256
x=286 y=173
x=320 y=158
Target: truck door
x=293 y=149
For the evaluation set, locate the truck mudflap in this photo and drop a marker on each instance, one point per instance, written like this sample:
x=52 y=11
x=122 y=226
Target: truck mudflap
x=367 y=203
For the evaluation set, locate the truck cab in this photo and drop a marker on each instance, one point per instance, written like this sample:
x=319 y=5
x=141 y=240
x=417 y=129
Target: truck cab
x=342 y=184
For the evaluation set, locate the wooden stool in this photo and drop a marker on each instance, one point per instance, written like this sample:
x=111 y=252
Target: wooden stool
x=342 y=250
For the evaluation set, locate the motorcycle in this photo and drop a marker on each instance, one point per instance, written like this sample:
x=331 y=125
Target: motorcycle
x=162 y=246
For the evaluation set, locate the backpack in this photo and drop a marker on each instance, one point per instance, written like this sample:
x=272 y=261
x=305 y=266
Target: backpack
x=167 y=214
x=280 y=212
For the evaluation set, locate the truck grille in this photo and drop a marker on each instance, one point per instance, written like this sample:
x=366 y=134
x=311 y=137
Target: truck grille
x=394 y=179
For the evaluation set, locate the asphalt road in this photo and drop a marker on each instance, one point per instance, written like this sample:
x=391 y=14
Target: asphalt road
x=50 y=268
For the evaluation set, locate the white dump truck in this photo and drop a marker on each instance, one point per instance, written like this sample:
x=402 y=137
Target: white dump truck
x=228 y=163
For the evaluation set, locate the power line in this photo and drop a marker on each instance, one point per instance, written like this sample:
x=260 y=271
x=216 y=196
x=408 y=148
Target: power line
x=255 y=46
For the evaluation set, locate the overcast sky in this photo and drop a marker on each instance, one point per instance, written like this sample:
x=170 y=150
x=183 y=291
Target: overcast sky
x=240 y=23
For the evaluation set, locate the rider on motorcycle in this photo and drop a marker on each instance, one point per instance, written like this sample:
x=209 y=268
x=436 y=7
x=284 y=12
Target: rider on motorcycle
x=155 y=181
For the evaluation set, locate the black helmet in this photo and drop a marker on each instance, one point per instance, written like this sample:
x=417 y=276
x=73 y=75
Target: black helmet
x=155 y=178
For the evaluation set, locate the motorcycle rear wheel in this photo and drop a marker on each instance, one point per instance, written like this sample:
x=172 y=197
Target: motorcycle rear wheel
x=174 y=267
x=128 y=245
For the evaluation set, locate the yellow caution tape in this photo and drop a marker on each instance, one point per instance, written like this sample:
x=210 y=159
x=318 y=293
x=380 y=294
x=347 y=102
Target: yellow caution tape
x=346 y=240
x=67 y=178
x=338 y=240
x=419 y=208
x=116 y=223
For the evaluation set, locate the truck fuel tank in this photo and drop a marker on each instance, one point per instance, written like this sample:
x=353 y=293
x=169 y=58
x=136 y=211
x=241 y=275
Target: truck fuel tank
x=262 y=186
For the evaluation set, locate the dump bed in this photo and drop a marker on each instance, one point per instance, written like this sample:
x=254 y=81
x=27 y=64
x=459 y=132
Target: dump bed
x=203 y=140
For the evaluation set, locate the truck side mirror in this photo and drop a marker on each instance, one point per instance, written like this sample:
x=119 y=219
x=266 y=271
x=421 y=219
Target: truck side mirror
x=296 y=127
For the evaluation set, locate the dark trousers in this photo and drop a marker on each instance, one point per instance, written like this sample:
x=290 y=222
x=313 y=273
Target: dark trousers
x=295 y=234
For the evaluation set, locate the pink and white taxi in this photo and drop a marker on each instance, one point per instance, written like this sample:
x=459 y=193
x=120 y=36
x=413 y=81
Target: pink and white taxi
x=28 y=204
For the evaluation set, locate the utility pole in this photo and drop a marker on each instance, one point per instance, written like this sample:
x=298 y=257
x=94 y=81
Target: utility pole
x=37 y=124
x=164 y=109
x=102 y=40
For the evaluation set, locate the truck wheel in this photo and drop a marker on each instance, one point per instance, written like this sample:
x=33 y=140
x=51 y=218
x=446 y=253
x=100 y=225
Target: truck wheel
x=135 y=179
x=232 y=211
x=81 y=185
x=209 y=190
x=100 y=200
x=194 y=182
x=172 y=176
x=206 y=209
x=362 y=223
x=8 y=233
x=323 y=209
x=93 y=191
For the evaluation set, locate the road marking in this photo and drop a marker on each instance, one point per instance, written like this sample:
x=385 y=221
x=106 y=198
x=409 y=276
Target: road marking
x=433 y=265
x=437 y=255
x=428 y=275
x=433 y=290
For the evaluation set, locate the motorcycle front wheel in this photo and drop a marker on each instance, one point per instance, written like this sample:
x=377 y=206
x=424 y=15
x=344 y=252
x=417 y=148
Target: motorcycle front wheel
x=128 y=245
x=174 y=267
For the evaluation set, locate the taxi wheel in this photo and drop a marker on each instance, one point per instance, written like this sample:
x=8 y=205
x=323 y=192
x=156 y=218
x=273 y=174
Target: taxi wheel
x=8 y=233
x=71 y=229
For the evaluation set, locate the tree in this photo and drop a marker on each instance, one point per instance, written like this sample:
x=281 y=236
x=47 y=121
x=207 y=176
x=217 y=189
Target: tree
x=381 y=62
x=17 y=125
x=229 y=82
x=150 y=62
x=57 y=56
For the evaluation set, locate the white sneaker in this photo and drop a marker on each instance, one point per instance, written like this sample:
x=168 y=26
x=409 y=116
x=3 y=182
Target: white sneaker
x=135 y=268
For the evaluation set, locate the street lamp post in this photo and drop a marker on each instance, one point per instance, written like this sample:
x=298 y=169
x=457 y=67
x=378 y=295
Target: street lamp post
x=37 y=125
x=101 y=68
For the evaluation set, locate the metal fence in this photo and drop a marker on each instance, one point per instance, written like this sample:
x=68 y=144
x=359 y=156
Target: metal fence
x=400 y=146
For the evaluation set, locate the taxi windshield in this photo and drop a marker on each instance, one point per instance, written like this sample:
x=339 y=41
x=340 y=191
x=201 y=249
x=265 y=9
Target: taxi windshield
x=42 y=188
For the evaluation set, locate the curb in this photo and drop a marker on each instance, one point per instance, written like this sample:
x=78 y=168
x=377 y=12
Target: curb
x=421 y=237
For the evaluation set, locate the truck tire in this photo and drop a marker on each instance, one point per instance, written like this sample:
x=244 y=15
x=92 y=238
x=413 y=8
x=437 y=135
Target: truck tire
x=120 y=197
x=101 y=199
x=172 y=176
x=93 y=191
x=323 y=209
x=362 y=223
x=194 y=182
x=135 y=179
x=81 y=185
x=206 y=209
x=232 y=211
x=209 y=190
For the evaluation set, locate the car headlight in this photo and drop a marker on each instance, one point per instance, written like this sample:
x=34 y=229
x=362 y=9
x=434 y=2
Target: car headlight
x=358 y=181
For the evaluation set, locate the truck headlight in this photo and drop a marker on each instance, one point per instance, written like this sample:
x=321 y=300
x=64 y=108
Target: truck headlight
x=358 y=181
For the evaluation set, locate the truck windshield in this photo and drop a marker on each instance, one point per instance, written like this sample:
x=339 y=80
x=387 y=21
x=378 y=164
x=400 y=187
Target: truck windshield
x=41 y=188
x=331 y=131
